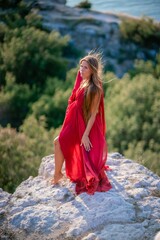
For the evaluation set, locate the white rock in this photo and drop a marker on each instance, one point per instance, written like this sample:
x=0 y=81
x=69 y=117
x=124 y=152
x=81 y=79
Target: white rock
x=122 y=232
x=157 y=237
x=138 y=193
x=130 y=210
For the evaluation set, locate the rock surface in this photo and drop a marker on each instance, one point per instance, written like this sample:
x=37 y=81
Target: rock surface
x=92 y=30
x=129 y=211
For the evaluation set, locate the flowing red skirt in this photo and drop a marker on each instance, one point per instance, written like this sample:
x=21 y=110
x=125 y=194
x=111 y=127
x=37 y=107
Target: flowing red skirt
x=86 y=169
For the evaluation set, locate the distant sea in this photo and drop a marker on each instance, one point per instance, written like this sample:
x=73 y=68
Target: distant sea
x=137 y=8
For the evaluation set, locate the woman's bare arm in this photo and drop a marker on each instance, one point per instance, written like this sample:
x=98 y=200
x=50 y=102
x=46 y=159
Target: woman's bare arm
x=94 y=110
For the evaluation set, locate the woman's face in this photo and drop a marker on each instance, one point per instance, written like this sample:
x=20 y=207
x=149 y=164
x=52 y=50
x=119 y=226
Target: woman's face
x=85 y=70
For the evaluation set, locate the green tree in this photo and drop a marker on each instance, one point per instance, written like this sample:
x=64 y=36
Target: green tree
x=9 y=3
x=32 y=55
x=15 y=101
x=3 y=31
x=19 y=14
x=52 y=104
x=21 y=152
x=17 y=161
x=143 y=31
x=133 y=118
x=84 y=4
x=148 y=67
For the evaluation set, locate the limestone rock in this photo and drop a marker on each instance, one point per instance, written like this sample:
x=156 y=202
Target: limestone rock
x=38 y=210
x=89 y=30
x=46 y=3
x=92 y=30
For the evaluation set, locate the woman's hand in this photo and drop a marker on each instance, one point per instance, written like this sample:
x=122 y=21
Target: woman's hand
x=86 y=142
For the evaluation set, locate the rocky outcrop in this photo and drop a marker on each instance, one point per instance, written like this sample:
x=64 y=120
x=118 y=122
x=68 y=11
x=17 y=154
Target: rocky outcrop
x=89 y=30
x=129 y=211
x=92 y=30
x=47 y=3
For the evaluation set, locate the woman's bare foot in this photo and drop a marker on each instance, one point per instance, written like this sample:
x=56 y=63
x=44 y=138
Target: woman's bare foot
x=56 y=178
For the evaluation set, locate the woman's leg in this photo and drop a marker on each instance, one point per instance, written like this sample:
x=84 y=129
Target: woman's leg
x=59 y=160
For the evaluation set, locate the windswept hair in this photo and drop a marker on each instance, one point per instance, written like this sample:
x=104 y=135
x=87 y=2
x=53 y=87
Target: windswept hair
x=93 y=87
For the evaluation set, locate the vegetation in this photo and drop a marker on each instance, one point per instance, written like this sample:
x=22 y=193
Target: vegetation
x=84 y=4
x=32 y=69
x=33 y=52
x=147 y=67
x=35 y=84
x=133 y=117
x=21 y=152
x=28 y=57
x=53 y=102
x=9 y=3
x=143 y=31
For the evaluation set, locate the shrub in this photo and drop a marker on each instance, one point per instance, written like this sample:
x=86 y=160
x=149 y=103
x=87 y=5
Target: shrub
x=17 y=161
x=3 y=31
x=133 y=118
x=15 y=100
x=9 y=3
x=52 y=104
x=148 y=67
x=143 y=31
x=21 y=152
x=32 y=55
x=15 y=16
x=84 y=4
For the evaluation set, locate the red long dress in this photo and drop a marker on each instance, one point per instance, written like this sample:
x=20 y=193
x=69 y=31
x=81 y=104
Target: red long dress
x=86 y=169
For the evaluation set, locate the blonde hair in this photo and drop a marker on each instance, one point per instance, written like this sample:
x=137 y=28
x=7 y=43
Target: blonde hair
x=93 y=87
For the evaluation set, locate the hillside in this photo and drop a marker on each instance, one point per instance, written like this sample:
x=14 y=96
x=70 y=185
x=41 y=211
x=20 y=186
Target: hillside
x=94 y=30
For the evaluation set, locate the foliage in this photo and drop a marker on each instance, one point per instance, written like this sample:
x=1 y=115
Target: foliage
x=51 y=107
x=143 y=31
x=31 y=54
x=84 y=4
x=28 y=57
x=108 y=79
x=3 y=31
x=52 y=104
x=15 y=98
x=33 y=20
x=16 y=159
x=147 y=67
x=133 y=118
x=149 y=158
x=9 y=3
x=41 y=140
x=21 y=152
x=16 y=16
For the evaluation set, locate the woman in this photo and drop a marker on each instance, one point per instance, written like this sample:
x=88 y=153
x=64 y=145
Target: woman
x=81 y=142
